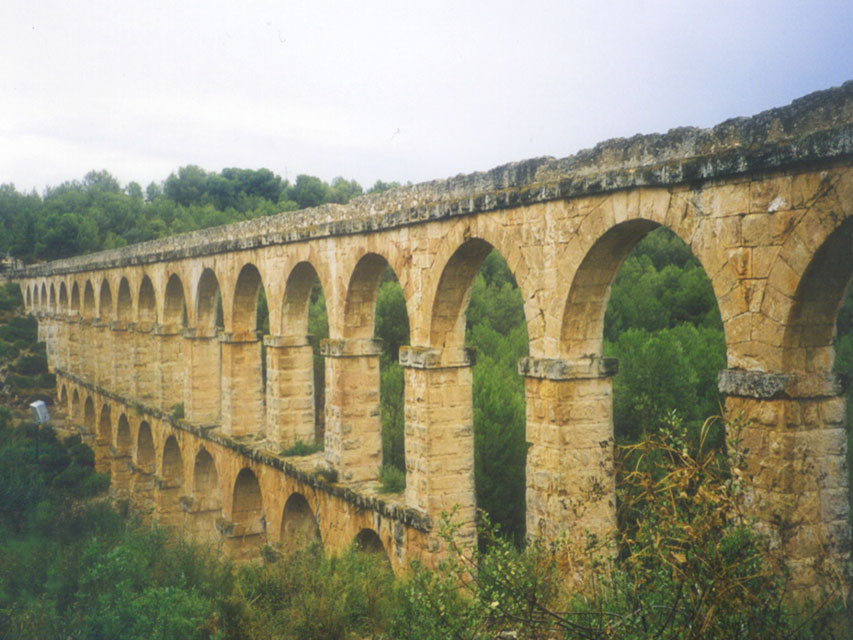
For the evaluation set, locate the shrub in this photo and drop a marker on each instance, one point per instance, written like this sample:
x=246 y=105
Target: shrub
x=392 y=479
x=689 y=566
x=300 y=448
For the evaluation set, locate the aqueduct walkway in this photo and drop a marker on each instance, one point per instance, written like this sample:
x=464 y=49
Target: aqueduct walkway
x=765 y=203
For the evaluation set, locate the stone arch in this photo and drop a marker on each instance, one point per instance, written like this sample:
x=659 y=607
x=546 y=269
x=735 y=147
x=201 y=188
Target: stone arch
x=297 y=294
x=63 y=298
x=447 y=324
x=105 y=304
x=52 y=300
x=247 y=515
x=171 y=483
x=208 y=299
x=175 y=306
x=29 y=293
x=143 y=472
x=299 y=527
x=89 y=415
x=124 y=302
x=206 y=504
x=145 y=455
x=205 y=478
x=360 y=305
x=105 y=427
x=808 y=342
x=147 y=307
x=173 y=463
x=43 y=298
x=75 y=406
x=582 y=329
x=123 y=439
x=121 y=462
x=89 y=308
x=368 y=541
x=103 y=439
x=245 y=306
x=75 y=299
x=63 y=398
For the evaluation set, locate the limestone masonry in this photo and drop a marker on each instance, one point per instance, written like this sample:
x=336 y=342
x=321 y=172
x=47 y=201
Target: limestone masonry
x=765 y=203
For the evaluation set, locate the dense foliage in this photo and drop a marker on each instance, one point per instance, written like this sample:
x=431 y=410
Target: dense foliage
x=98 y=213
x=691 y=567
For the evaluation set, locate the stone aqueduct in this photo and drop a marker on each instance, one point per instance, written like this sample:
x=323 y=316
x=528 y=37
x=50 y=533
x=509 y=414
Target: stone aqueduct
x=765 y=203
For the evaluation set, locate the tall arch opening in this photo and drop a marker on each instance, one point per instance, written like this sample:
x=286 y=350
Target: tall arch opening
x=122 y=462
x=63 y=298
x=663 y=324
x=124 y=342
x=392 y=327
x=479 y=329
x=103 y=440
x=247 y=516
x=143 y=478
x=43 y=298
x=368 y=542
x=206 y=505
x=642 y=297
x=818 y=345
x=52 y=300
x=298 y=525
x=89 y=416
x=296 y=370
x=171 y=483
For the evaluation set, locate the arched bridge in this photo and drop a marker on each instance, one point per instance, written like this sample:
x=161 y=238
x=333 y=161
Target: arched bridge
x=765 y=204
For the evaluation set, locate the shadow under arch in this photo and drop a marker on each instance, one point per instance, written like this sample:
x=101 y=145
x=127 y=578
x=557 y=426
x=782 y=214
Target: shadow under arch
x=247 y=533
x=144 y=468
x=121 y=461
x=170 y=484
x=103 y=440
x=299 y=528
x=809 y=337
x=368 y=542
x=63 y=298
x=206 y=505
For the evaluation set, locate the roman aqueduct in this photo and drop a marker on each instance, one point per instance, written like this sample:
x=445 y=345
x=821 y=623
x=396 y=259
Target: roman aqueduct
x=765 y=203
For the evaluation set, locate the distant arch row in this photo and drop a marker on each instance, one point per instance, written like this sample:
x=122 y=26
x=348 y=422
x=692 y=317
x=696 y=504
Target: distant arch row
x=185 y=482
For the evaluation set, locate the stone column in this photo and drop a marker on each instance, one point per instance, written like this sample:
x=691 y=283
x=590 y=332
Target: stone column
x=50 y=340
x=167 y=502
x=122 y=358
x=102 y=352
x=202 y=515
x=169 y=368
x=792 y=445
x=88 y=350
x=242 y=384
x=144 y=354
x=570 y=475
x=290 y=390
x=202 y=377
x=41 y=326
x=353 y=425
x=121 y=470
x=439 y=434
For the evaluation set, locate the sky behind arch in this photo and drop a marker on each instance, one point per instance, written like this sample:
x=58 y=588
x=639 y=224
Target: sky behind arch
x=386 y=90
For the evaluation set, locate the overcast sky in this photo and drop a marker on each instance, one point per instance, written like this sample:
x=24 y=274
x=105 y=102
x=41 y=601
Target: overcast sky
x=385 y=90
